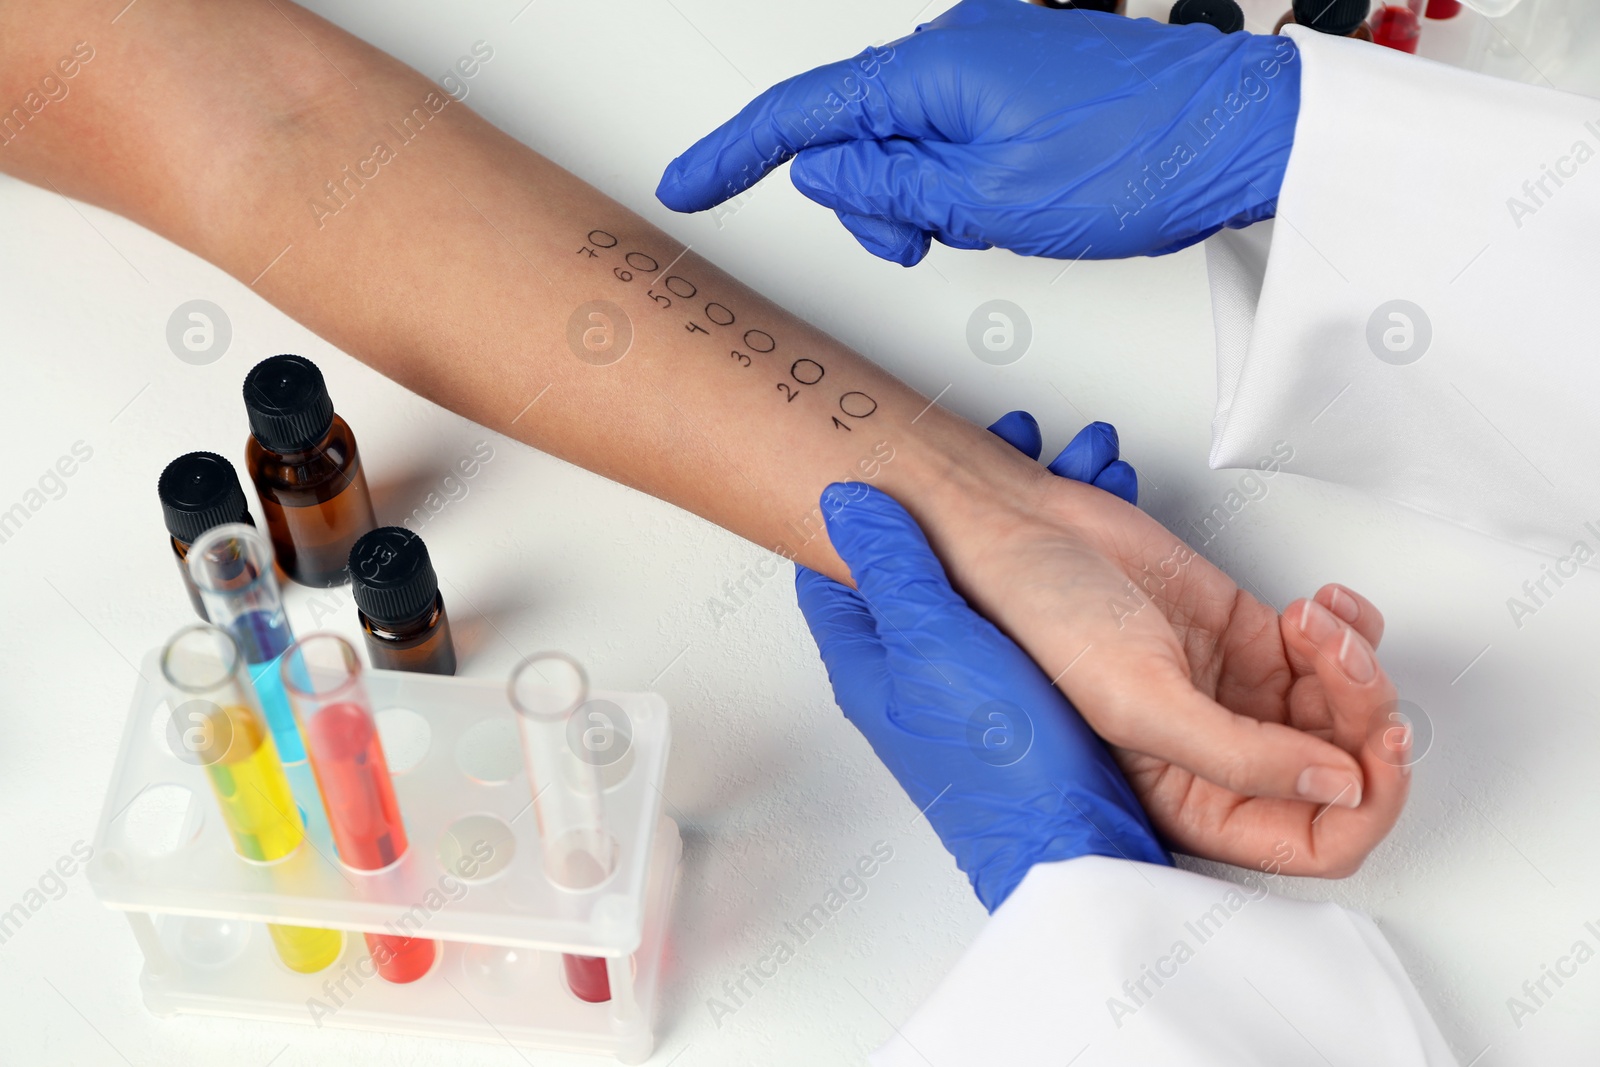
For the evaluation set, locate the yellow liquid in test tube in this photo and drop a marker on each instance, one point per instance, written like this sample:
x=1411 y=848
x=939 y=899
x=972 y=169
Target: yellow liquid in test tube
x=306 y=949
x=257 y=804
x=260 y=812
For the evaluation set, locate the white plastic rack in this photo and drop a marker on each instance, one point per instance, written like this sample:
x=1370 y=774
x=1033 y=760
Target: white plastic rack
x=471 y=879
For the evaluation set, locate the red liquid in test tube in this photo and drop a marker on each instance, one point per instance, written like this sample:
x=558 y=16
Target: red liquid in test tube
x=323 y=679
x=1397 y=27
x=587 y=978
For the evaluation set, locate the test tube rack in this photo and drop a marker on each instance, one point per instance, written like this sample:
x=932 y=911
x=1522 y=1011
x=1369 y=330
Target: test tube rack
x=472 y=880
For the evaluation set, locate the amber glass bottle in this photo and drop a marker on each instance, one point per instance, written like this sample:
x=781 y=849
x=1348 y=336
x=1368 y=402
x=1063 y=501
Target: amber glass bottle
x=1225 y=15
x=303 y=460
x=1341 y=18
x=198 y=491
x=401 y=610
x=1115 y=7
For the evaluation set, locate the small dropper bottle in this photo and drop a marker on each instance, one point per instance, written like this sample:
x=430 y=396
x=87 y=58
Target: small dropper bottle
x=1225 y=15
x=302 y=458
x=400 y=606
x=1340 y=18
x=1113 y=7
x=198 y=491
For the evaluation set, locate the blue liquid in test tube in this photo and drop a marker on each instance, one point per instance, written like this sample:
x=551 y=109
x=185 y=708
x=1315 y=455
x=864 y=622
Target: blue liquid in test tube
x=265 y=636
x=232 y=567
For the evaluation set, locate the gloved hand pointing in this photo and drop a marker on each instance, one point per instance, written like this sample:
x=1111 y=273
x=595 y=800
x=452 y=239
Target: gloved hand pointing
x=1051 y=133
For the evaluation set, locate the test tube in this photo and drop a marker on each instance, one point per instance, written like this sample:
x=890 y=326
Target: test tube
x=231 y=565
x=1397 y=24
x=546 y=689
x=216 y=723
x=322 y=676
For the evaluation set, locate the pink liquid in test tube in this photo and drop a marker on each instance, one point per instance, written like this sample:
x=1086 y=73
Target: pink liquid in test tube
x=323 y=678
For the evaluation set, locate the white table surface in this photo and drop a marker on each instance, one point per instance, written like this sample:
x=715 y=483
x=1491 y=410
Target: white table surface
x=1490 y=875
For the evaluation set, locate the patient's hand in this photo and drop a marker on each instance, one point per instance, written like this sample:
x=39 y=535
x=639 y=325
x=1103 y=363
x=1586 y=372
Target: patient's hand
x=1244 y=733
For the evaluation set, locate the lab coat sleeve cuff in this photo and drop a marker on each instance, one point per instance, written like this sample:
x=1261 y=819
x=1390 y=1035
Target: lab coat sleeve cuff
x=1414 y=323
x=1097 y=961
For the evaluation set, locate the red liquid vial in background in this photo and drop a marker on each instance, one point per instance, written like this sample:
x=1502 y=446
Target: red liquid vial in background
x=587 y=978
x=401 y=959
x=1444 y=9
x=1396 y=27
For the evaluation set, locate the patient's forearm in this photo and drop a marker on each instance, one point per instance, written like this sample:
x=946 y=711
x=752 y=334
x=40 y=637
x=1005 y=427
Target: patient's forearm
x=358 y=197
x=452 y=259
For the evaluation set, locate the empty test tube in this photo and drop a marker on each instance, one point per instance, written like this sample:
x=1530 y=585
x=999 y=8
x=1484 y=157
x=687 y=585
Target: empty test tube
x=232 y=567
x=322 y=676
x=217 y=723
x=579 y=853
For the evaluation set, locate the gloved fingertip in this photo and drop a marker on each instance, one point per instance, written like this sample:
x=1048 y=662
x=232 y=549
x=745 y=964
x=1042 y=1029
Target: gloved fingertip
x=715 y=169
x=909 y=253
x=1021 y=431
x=1087 y=454
x=1107 y=433
x=897 y=242
x=669 y=190
x=684 y=188
x=830 y=608
x=970 y=244
x=1120 y=480
x=845 y=503
x=815 y=172
x=806 y=579
x=880 y=542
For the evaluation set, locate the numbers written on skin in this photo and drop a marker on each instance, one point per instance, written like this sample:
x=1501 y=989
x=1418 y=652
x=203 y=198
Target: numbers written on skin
x=718 y=321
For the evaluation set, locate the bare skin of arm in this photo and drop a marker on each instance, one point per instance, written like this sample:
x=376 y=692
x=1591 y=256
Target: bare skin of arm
x=356 y=196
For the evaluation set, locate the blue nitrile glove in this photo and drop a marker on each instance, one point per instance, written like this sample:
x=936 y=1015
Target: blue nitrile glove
x=1091 y=456
x=1052 y=133
x=1000 y=763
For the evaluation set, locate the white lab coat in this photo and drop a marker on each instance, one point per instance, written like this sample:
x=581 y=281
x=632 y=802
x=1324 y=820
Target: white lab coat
x=1476 y=201
x=1099 y=962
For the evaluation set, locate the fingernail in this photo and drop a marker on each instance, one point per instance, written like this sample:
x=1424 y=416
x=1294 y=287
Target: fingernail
x=1343 y=605
x=1316 y=623
x=1398 y=742
x=1324 y=785
x=1355 y=660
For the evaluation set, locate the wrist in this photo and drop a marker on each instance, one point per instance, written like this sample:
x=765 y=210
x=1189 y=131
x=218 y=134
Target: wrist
x=966 y=488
